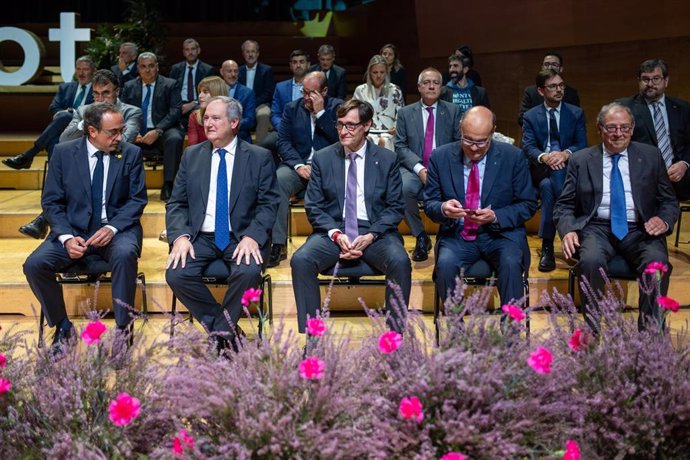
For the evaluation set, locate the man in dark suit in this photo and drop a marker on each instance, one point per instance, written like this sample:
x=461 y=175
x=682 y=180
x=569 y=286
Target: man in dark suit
x=460 y=90
x=532 y=98
x=159 y=100
x=126 y=67
x=229 y=71
x=551 y=132
x=188 y=74
x=336 y=75
x=258 y=77
x=664 y=122
x=420 y=128
x=354 y=203
x=222 y=207
x=617 y=199
x=70 y=96
x=308 y=125
x=94 y=196
x=480 y=191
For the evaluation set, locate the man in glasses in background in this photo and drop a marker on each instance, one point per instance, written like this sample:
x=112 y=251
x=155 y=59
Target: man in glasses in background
x=617 y=199
x=481 y=193
x=664 y=122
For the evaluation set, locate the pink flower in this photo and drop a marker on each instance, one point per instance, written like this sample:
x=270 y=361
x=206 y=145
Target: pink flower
x=92 y=332
x=3 y=360
x=316 y=326
x=572 y=451
x=181 y=441
x=312 y=368
x=514 y=312
x=668 y=303
x=655 y=267
x=540 y=360
x=389 y=342
x=411 y=409
x=453 y=456
x=251 y=295
x=5 y=386
x=124 y=409
x=576 y=341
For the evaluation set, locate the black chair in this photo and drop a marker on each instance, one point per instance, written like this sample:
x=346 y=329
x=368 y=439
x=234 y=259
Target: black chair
x=617 y=268
x=684 y=207
x=217 y=273
x=479 y=274
x=90 y=270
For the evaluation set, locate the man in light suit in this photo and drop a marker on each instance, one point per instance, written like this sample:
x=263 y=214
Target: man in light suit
x=126 y=67
x=94 y=196
x=336 y=75
x=159 y=99
x=105 y=89
x=70 y=96
x=422 y=127
x=617 y=199
x=258 y=77
x=223 y=206
x=674 y=123
x=354 y=212
x=308 y=125
x=480 y=191
x=188 y=74
x=551 y=132
x=245 y=96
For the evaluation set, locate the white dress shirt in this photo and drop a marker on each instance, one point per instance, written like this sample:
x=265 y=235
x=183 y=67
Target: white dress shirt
x=604 y=209
x=209 y=224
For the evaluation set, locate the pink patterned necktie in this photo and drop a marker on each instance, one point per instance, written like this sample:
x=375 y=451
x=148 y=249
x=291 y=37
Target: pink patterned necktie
x=428 y=137
x=470 y=229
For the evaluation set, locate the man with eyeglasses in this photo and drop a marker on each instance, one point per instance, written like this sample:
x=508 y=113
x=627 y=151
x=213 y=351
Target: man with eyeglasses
x=531 y=97
x=308 y=125
x=94 y=196
x=617 y=199
x=422 y=127
x=551 y=132
x=354 y=203
x=480 y=191
x=663 y=121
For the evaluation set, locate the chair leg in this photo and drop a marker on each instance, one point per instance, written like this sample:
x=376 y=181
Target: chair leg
x=525 y=284
x=289 y=223
x=41 y=322
x=144 y=300
x=680 y=218
x=173 y=313
x=437 y=311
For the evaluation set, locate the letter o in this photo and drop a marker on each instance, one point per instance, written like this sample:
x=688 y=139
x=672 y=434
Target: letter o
x=33 y=54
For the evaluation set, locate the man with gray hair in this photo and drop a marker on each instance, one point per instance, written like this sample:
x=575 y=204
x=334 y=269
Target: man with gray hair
x=617 y=199
x=336 y=75
x=126 y=67
x=258 y=77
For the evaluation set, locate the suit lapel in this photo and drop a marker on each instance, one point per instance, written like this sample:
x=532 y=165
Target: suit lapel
x=339 y=176
x=595 y=169
x=204 y=171
x=117 y=160
x=457 y=172
x=542 y=126
x=674 y=119
x=642 y=111
x=370 y=174
x=441 y=127
x=239 y=173
x=418 y=122
x=636 y=169
x=81 y=159
x=491 y=170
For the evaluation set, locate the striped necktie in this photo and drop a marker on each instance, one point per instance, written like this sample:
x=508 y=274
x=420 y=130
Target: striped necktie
x=662 y=139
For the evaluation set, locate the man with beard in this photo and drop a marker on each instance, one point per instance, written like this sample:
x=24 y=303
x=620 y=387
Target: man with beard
x=460 y=90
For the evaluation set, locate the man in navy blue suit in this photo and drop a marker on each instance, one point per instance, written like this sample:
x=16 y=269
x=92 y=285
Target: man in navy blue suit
x=308 y=125
x=258 y=77
x=94 y=196
x=551 y=132
x=229 y=71
x=188 y=74
x=336 y=75
x=70 y=96
x=480 y=191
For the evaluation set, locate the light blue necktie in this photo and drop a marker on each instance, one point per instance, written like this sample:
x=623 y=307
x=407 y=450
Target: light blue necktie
x=145 y=110
x=619 y=221
x=222 y=230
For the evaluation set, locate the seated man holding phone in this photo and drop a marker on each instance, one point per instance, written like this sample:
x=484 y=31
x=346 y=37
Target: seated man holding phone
x=481 y=193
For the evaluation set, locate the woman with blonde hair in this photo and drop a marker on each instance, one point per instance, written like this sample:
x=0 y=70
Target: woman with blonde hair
x=208 y=87
x=385 y=97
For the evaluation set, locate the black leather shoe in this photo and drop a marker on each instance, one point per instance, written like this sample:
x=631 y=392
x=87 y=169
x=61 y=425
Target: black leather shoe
x=547 y=263
x=21 y=161
x=422 y=248
x=37 y=228
x=278 y=253
x=223 y=346
x=165 y=192
x=61 y=340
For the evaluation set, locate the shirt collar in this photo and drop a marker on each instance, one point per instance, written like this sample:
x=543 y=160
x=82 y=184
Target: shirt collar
x=624 y=153
x=91 y=149
x=230 y=148
x=424 y=106
x=558 y=107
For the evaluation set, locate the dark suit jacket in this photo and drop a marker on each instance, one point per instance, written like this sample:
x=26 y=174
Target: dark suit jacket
x=178 y=72
x=246 y=97
x=678 y=112
x=131 y=75
x=253 y=198
x=325 y=195
x=651 y=188
x=282 y=96
x=477 y=93
x=64 y=98
x=294 y=135
x=532 y=98
x=337 y=80
x=66 y=196
x=409 y=135
x=165 y=103
x=506 y=186
x=263 y=82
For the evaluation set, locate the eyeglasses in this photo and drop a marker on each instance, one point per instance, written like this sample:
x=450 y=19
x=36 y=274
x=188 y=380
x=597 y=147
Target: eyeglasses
x=656 y=80
x=551 y=65
x=554 y=86
x=113 y=132
x=478 y=144
x=349 y=127
x=431 y=82
x=624 y=129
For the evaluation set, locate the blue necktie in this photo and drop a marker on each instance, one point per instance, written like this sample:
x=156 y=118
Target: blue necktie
x=619 y=220
x=222 y=230
x=96 y=195
x=145 y=110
